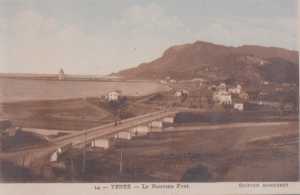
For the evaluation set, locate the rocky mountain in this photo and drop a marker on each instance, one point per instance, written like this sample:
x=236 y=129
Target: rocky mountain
x=217 y=62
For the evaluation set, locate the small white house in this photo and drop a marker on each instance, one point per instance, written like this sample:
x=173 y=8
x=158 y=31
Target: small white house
x=238 y=106
x=54 y=157
x=123 y=135
x=178 y=94
x=172 y=81
x=156 y=124
x=168 y=120
x=101 y=143
x=140 y=130
x=235 y=90
x=222 y=97
x=113 y=96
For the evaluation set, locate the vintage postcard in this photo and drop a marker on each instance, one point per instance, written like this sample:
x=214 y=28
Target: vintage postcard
x=149 y=96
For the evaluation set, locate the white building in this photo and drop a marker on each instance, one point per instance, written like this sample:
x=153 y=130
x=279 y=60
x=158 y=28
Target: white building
x=101 y=143
x=123 y=135
x=178 y=94
x=222 y=97
x=172 y=81
x=54 y=157
x=140 y=130
x=156 y=124
x=113 y=96
x=235 y=90
x=168 y=120
x=238 y=106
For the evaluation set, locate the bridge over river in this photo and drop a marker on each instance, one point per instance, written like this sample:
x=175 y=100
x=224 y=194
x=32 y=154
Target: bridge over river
x=38 y=156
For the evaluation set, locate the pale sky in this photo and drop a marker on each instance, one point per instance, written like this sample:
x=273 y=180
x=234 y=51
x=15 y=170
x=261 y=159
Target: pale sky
x=104 y=36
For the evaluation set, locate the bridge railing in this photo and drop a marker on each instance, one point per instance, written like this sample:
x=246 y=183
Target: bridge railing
x=107 y=132
x=108 y=125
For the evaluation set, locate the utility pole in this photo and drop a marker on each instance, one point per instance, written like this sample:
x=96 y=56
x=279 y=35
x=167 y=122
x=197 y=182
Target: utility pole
x=72 y=168
x=121 y=162
x=84 y=153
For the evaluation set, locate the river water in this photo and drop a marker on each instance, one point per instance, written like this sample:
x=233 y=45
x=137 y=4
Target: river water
x=12 y=90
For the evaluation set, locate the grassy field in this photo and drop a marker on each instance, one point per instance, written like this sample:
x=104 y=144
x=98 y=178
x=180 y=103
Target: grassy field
x=71 y=114
x=267 y=153
x=74 y=114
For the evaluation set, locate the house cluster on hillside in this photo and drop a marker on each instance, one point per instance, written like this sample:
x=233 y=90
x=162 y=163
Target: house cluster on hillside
x=234 y=96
